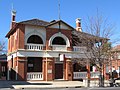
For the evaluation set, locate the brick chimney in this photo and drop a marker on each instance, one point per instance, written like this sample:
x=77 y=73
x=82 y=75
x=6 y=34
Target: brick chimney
x=13 y=22
x=78 y=25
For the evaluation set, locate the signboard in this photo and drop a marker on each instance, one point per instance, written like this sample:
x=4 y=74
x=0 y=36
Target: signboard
x=49 y=71
x=62 y=56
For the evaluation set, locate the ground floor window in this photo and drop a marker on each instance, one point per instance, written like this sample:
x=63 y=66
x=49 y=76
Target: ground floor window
x=77 y=67
x=34 y=64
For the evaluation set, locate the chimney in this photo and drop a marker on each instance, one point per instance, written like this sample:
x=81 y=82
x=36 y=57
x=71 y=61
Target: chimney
x=13 y=22
x=78 y=25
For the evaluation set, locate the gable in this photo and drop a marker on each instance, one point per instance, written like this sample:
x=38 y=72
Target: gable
x=62 y=26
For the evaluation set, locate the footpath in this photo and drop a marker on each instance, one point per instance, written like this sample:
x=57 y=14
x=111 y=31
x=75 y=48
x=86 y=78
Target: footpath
x=40 y=84
x=48 y=84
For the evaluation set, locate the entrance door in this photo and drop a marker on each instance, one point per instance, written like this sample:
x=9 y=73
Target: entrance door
x=59 y=71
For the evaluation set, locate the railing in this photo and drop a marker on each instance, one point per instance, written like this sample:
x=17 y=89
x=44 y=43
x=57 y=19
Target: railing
x=79 y=49
x=34 y=47
x=79 y=75
x=94 y=74
x=83 y=75
x=59 y=48
x=35 y=76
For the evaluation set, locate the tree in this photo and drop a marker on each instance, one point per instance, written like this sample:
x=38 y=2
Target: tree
x=2 y=47
x=96 y=39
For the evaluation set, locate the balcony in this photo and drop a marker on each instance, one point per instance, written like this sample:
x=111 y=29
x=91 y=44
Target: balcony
x=39 y=47
x=36 y=47
x=79 y=49
x=59 y=48
x=35 y=76
x=83 y=75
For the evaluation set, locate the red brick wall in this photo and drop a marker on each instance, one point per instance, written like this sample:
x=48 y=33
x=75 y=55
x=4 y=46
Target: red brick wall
x=50 y=66
x=51 y=31
x=22 y=68
x=21 y=37
x=44 y=69
x=9 y=64
x=69 y=70
x=15 y=42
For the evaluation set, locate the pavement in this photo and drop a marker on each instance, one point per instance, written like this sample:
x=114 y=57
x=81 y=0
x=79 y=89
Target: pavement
x=47 y=84
x=40 y=84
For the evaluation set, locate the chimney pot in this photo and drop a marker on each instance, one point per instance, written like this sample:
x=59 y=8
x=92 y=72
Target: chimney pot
x=13 y=15
x=13 y=22
x=78 y=24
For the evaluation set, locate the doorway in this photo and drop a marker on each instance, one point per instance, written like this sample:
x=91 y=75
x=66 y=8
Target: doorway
x=58 y=70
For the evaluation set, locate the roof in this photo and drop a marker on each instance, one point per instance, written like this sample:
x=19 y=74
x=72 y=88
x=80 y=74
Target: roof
x=35 y=22
x=83 y=34
x=116 y=48
x=3 y=57
x=59 y=21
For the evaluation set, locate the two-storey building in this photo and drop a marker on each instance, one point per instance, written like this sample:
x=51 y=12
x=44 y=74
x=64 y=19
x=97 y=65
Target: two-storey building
x=41 y=50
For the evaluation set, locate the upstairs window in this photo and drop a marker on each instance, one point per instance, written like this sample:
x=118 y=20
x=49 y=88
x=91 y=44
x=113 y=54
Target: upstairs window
x=35 y=39
x=58 y=41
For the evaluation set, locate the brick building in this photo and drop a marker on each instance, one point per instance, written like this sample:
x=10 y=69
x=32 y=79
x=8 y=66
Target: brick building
x=41 y=50
x=3 y=67
x=115 y=61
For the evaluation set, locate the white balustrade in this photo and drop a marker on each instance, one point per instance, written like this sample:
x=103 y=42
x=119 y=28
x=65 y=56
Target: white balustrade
x=35 y=76
x=59 y=48
x=34 y=47
x=83 y=75
x=79 y=75
x=79 y=49
x=94 y=74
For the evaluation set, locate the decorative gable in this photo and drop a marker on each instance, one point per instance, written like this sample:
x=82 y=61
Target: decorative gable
x=62 y=24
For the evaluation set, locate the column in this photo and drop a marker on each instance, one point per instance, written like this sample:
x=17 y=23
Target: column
x=48 y=69
x=22 y=69
x=68 y=70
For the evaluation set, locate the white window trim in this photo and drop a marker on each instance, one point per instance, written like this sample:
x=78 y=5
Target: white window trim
x=59 y=35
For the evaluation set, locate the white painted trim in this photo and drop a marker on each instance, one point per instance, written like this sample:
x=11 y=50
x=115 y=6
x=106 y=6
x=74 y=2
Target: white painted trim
x=59 y=35
x=34 y=32
x=44 y=54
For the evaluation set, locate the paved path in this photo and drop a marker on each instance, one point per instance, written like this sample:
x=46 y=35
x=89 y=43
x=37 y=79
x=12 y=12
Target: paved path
x=45 y=84
x=40 y=84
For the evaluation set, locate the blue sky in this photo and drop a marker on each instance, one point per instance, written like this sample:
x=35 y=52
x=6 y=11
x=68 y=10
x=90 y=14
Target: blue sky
x=48 y=10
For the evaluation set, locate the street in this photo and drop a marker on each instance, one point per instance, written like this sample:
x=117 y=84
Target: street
x=113 y=88
x=108 y=88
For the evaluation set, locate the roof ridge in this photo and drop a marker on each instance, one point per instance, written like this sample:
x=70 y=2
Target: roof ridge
x=33 y=19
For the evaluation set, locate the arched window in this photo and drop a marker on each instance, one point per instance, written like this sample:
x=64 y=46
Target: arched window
x=35 y=39
x=58 y=41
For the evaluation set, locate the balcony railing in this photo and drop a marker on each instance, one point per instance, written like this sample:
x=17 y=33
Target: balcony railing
x=83 y=75
x=35 y=76
x=59 y=48
x=79 y=75
x=79 y=49
x=34 y=47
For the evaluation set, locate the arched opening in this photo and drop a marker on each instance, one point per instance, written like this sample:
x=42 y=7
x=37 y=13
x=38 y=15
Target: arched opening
x=35 y=39
x=58 y=41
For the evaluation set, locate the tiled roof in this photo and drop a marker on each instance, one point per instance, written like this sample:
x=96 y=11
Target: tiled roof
x=116 y=48
x=35 y=22
x=82 y=34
